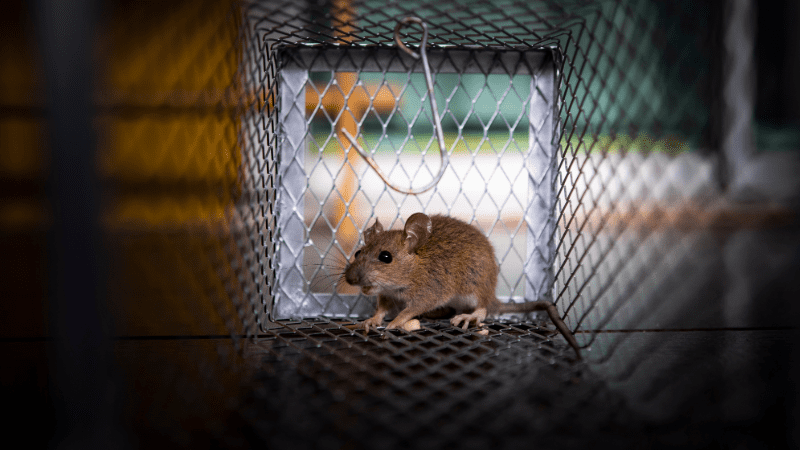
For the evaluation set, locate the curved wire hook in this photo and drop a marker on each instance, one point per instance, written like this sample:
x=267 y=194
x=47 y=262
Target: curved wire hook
x=437 y=124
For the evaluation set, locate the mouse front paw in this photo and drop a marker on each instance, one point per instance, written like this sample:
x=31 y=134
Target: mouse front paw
x=395 y=324
x=373 y=323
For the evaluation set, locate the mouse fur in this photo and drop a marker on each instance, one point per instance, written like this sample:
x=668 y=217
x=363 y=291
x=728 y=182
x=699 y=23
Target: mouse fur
x=434 y=263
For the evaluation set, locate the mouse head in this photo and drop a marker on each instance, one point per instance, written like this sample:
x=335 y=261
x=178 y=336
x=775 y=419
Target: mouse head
x=387 y=258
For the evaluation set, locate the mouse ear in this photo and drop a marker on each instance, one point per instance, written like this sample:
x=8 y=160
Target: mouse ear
x=372 y=231
x=417 y=231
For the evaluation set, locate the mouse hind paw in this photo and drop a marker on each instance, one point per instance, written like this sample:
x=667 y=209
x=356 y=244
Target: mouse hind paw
x=463 y=320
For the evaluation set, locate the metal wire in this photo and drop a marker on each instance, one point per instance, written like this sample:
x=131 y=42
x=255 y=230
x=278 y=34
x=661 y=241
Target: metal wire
x=437 y=124
x=578 y=138
x=463 y=388
x=608 y=149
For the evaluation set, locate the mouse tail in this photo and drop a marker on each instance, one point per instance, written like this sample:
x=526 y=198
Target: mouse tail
x=506 y=308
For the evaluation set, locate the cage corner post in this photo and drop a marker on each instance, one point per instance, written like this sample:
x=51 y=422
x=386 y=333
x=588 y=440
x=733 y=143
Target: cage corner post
x=541 y=166
x=292 y=126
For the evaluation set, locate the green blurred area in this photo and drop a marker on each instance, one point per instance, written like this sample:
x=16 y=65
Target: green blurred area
x=468 y=101
x=637 y=76
x=777 y=137
x=416 y=144
x=496 y=143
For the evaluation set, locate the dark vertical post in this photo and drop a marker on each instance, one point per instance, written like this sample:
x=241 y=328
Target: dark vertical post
x=80 y=361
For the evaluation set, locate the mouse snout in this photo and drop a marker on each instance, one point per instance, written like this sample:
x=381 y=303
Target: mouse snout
x=354 y=275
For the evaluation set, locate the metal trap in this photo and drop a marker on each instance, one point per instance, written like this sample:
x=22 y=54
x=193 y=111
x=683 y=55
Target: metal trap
x=569 y=142
x=242 y=148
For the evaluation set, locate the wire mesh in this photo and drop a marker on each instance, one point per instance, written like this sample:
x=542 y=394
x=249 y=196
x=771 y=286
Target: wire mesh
x=435 y=387
x=194 y=108
x=627 y=149
x=641 y=217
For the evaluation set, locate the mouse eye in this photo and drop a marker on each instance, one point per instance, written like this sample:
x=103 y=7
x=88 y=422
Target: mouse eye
x=357 y=253
x=385 y=257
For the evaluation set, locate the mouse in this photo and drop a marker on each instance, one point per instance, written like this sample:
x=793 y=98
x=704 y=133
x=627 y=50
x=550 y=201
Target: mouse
x=434 y=263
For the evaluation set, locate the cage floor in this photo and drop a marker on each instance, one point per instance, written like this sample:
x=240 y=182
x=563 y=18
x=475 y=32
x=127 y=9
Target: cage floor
x=325 y=386
x=316 y=385
x=322 y=386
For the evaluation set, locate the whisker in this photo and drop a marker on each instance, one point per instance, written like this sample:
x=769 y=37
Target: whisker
x=330 y=276
x=329 y=272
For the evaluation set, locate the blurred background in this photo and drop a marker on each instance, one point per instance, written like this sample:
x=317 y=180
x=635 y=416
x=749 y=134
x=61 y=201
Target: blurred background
x=139 y=163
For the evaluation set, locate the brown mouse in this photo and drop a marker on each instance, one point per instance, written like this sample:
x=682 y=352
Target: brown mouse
x=431 y=264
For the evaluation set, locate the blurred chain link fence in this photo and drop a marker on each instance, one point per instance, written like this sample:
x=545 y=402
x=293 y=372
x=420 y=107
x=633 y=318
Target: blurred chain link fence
x=593 y=142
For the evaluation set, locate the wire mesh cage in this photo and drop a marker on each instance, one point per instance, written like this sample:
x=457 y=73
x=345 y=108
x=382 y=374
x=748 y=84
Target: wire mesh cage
x=605 y=191
x=605 y=148
x=560 y=124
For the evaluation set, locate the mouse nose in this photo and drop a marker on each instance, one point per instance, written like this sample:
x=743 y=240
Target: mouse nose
x=353 y=275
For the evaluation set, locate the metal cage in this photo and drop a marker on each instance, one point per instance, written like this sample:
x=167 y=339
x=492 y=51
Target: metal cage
x=562 y=131
x=619 y=154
